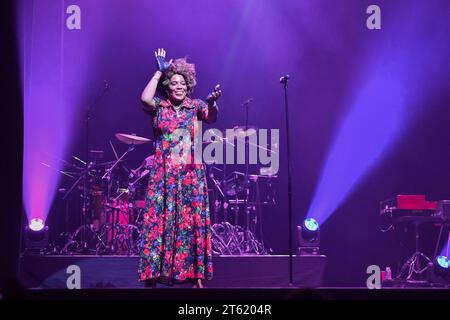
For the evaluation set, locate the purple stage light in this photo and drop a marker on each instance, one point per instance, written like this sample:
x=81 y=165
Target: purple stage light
x=46 y=115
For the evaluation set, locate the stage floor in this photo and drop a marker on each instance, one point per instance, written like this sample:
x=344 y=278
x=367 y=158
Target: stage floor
x=97 y=272
x=240 y=295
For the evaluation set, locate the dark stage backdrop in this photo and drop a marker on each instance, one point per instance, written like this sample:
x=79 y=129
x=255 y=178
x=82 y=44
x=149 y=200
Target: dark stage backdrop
x=246 y=46
x=11 y=141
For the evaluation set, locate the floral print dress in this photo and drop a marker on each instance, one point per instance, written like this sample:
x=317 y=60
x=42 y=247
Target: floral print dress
x=175 y=244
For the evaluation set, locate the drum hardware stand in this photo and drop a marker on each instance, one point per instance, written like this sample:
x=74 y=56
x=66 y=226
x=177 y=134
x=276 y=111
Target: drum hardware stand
x=83 y=245
x=251 y=245
x=107 y=174
x=115 y=226
x=136 y=223
x=413 y=264
x=246 y=184
x=235 y=239
x=259 y=220
x=119 y=231
x=84 y=177
x=217 y=203
x=231 y=239
x=224 y=235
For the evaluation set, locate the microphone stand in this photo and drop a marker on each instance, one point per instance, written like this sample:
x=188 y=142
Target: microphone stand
x=284 y=81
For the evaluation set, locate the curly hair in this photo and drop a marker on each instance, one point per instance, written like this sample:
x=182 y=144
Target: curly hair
x=183 y=68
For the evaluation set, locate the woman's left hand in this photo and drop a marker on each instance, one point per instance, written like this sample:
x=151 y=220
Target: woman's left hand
x=215 y=95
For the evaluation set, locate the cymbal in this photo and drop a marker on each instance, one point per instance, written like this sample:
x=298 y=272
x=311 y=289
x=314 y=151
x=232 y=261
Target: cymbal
x=131 y=138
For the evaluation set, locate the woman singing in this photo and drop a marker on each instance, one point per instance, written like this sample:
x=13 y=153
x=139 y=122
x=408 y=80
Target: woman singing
x=176 y=235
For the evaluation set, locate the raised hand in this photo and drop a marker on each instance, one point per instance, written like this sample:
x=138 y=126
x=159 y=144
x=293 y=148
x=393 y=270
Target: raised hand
x=161 y=62
x=215 y=95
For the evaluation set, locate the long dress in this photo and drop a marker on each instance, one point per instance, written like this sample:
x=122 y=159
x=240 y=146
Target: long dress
x=175 y=243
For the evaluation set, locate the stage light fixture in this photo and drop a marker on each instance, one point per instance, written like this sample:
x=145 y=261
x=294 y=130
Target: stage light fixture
x=438 y=271
x=308 y=237
x=36 y=236
x=442 y=264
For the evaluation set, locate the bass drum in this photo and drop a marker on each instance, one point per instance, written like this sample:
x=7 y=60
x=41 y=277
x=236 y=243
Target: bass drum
x=116 y=230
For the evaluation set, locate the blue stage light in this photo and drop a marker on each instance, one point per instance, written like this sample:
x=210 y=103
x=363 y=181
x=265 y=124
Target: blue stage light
x=442 y=262
x=438 y=271
x=311 y=224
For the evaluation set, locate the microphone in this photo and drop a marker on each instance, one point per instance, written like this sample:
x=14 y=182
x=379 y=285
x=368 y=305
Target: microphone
x=284 y=78
x=247 y=102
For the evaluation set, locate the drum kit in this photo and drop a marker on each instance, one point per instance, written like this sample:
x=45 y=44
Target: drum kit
x=113 y=205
